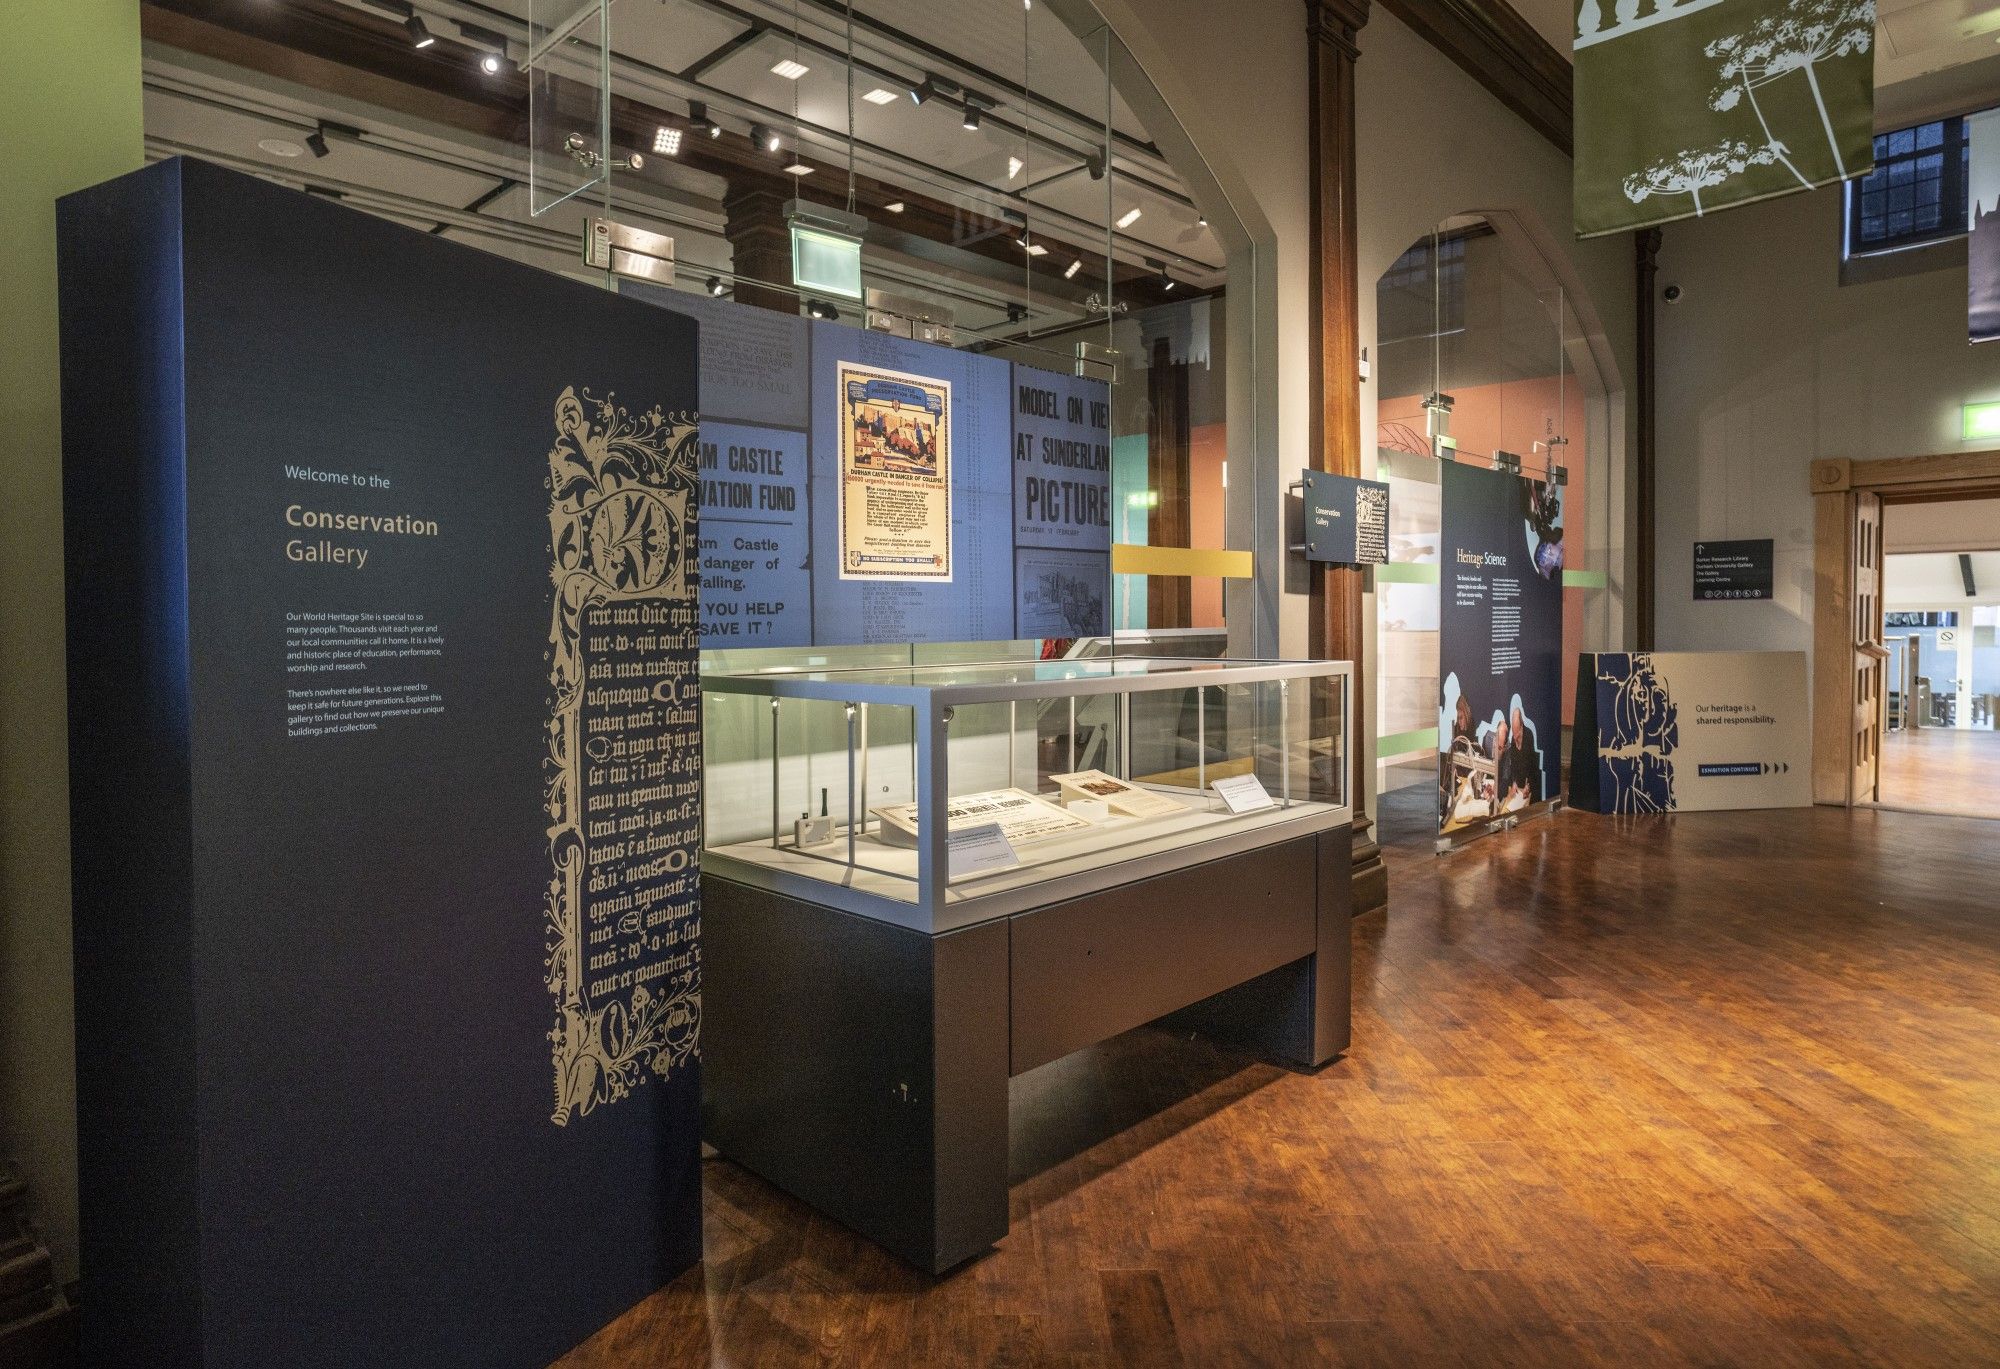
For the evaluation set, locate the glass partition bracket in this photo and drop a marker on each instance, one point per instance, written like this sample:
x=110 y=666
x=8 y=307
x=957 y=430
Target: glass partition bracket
x=1012 y=726
x=933 y=794
x=853 y=726
x=862 y=816
x=1201 y=737
x=1285 y=739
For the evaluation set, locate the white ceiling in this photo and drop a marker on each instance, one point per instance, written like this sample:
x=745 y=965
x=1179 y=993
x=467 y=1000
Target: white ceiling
x=1936 y=580
x=1950 y=525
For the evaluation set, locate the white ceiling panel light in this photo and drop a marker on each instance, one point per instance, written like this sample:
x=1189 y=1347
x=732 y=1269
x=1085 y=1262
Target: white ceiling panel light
x=667 y=141
x=790 y=69
x=895 y=206
x=1069 y=272
x=879 y=96
x=1014 y=165
x=1129 y=217
x=798 y=169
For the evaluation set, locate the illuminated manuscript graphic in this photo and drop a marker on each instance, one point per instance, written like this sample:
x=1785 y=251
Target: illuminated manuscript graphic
x=624 y=748
x=895 y=475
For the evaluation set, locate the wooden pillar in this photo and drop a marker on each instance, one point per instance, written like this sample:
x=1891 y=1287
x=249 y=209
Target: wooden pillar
x=1169 y=457
x=1336 y=628
x=1645 y=554
x=760 y=247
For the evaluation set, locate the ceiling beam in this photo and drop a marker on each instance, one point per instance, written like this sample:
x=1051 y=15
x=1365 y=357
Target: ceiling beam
x=1499 y=49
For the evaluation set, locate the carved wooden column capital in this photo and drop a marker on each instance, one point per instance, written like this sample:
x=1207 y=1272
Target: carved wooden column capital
x=1337 y=22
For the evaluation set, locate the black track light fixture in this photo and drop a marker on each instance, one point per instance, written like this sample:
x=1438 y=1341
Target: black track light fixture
x=820 y=309
x=1017 y=312
x=420 y=36
x=316 y=141
x=765 y=139
x=971 y=121
x=923 y=90
x=716 y=287
x=699 y=121
x=1094 y=164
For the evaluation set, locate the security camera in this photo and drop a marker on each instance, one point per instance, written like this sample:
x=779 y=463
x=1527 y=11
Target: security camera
x=1672 y=294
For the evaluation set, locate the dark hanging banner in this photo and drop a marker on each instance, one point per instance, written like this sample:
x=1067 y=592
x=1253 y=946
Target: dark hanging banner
x=1499 y=646
x=1734 y=570
x=1982 y=253
x=385 y=758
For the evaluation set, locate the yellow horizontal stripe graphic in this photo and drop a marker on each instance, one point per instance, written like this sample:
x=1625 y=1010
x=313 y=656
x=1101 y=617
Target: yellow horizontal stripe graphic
x=1130 y=559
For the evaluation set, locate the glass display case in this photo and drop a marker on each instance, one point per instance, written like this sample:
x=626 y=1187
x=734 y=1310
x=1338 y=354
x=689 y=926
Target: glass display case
x=936 y=796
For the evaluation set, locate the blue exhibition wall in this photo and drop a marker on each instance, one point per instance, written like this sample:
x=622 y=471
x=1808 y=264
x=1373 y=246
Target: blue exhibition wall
x=383 y=731
x=1009 y=539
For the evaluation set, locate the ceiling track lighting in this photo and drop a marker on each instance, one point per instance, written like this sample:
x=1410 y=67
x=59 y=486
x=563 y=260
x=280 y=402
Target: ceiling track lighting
x=420 y=36
x=699 y=121
x=667 y=140
x=716 y=287
x=765 y=138
x=820 y=309
x=970 y=123
x=923 y=90
x=1017 y=313
x=1094 y=164
x=1069 y=272
x=316 y=141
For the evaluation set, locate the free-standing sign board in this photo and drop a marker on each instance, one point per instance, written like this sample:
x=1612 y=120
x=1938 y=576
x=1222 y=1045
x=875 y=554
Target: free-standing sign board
x=1683 y=731
x=1499 y=646
x=1733 y=570
x=384 y=754
x=1347 y=520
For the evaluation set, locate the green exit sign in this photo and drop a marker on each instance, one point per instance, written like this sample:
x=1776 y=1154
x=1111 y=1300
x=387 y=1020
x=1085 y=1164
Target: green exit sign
x=1982 y=421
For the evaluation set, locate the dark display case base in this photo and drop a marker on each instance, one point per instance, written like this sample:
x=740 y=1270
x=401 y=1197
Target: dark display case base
x=863 y=1066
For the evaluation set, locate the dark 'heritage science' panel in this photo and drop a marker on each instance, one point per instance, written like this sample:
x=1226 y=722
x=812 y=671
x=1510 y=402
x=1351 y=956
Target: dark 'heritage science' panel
x=443 y=927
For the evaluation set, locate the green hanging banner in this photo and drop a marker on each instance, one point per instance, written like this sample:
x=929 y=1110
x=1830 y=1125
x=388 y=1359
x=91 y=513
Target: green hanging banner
x=1683 y=109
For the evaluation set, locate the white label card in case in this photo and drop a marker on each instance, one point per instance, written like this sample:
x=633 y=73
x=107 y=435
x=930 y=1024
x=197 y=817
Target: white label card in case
x=1243 y=794
x=974 y=850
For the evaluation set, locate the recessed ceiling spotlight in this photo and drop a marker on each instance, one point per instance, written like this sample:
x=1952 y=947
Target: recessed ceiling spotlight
x=879 y=96
x=667 y=141
x=715 y=286
x=419 y=35
x=1129 y=217
x=790 y=69
x=895 y=206
x=490 y=63
x=285 y=147
x=1014 y=165
x=1069 y=272
x=798 y=169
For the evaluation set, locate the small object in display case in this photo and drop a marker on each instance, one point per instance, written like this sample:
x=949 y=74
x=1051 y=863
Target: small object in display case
x=813 y=831
x=1129 y=800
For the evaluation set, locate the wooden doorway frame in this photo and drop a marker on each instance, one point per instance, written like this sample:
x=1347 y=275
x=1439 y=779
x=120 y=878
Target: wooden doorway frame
x=1841 y=489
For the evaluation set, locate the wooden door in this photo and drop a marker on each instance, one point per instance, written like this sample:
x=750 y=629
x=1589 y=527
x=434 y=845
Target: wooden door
x=1870 y=657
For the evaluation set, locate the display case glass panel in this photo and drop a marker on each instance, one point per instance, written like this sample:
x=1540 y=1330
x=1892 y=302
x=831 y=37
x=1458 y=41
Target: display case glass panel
x=940 y=795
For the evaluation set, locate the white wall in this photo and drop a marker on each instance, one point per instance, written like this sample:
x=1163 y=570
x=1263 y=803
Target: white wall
x=1768 y=363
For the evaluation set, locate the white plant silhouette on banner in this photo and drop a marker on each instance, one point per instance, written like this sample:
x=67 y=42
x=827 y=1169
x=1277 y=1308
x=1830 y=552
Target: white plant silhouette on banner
x=1654 y=75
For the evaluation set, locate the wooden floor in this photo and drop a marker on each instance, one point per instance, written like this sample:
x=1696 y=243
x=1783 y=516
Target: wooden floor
x=1717 y=1089
x=1942 y=770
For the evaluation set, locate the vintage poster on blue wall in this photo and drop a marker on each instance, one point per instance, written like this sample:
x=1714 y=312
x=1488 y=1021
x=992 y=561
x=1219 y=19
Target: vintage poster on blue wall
x=875 y=457
x=1499 y=645
x=1062 y=504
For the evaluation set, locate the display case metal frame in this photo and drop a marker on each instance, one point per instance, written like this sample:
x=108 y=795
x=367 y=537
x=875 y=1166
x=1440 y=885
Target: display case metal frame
x=938 y=906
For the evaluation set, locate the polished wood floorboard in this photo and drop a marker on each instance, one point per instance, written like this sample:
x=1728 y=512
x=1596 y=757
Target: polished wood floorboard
x=1942 y=770
x=1714 y=1089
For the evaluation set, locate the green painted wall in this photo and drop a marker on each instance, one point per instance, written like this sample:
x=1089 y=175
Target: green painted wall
x=69 y=117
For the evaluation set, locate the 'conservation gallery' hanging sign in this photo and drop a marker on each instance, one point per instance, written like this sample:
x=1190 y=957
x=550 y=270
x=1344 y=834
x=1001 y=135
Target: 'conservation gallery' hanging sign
x=1682 y=109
